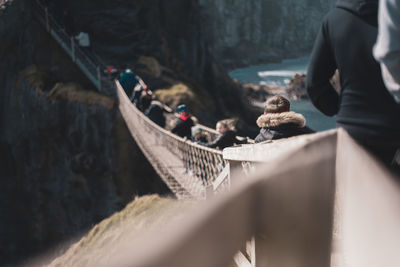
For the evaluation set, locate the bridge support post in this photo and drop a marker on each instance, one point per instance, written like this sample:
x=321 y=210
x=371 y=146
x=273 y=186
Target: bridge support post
x=209 y=191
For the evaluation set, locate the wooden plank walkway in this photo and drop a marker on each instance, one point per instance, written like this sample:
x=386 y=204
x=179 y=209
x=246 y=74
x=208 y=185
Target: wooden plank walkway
x=157 y=150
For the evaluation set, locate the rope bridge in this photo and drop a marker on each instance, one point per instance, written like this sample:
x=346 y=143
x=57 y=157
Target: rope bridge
x=87 y=61
x=186 y=167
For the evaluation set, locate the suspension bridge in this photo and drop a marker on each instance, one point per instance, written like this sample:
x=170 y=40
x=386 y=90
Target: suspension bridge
x=186 y=167
x=309 y=201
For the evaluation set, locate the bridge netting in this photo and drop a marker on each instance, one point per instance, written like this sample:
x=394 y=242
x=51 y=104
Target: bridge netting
x=186 y=167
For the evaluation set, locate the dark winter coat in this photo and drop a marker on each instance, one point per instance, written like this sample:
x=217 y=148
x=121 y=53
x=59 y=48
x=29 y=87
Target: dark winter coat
x=183 y=127
x=226 y=139
x=202 y=139
x=135 y=97
x=281 y=125
x=128 y=80
x=345 y=41
x=144 y=101
x=156 y=113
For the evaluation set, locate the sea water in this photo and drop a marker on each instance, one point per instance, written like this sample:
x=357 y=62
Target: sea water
x=279 y=74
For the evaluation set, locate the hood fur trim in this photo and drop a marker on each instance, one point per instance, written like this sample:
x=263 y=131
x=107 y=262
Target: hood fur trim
x=280 y=119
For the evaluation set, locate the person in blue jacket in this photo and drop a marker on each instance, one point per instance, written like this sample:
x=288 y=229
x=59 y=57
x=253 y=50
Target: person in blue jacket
x=128 y=81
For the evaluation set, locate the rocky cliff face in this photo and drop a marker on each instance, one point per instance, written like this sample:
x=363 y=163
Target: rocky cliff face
x=67 y=159
x=64 y=168
x=172 y=34
x=243 y=32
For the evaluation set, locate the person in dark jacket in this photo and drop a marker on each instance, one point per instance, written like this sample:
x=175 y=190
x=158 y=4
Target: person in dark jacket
x=156 y=113
x=279 y=122
x=364 y=107
x=145 y=99
x=198 y=135
x=184 y=123
x=226 y=139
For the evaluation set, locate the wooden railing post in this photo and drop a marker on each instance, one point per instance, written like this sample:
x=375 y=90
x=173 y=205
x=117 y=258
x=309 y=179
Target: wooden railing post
x=209 y=191
x=252 y=251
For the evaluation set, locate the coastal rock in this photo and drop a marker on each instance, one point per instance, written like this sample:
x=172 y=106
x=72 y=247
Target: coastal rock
x=260 y=93
x=245 y=32
x=69 y=162
x=165 y=42
x=297 y=87
x=295 y=90
x=67 y=158
x=335 y=81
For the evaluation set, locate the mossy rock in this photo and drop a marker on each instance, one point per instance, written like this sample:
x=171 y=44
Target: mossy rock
x=181 y=94
x=152 y=65
x=117 y=232
x=38 y=77
x=74 y=93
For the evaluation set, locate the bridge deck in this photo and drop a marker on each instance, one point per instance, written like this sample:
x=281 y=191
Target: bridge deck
x=161 y=151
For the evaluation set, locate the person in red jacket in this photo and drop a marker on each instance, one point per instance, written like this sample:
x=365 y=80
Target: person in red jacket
x=184 y=123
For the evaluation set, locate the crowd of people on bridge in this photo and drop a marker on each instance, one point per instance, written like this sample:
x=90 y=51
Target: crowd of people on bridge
x=184 y=125
x=367 y=106
x=4 y=4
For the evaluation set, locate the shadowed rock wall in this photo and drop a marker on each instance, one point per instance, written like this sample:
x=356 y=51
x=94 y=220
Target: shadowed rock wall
x=67 y=158
x=172 y=32
x=243 y=32
x=66 y=163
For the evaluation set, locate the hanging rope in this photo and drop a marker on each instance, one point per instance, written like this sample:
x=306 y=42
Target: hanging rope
x=186 y=167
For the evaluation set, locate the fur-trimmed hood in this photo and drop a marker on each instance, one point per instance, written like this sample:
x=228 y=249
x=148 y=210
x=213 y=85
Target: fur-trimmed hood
x=272 y=120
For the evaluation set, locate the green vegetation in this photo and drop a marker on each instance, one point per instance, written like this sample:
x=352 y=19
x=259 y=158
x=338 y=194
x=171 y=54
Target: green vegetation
x=178 y=93
x=106 y=238
x=181 y=93
x=152 y=65
x=43 y=81
x=74 y=92
x=174 y=88
x=38 y=77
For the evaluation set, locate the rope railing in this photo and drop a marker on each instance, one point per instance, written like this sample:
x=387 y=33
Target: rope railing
x=212 y=133
x=186 y=167
x=89 y=64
